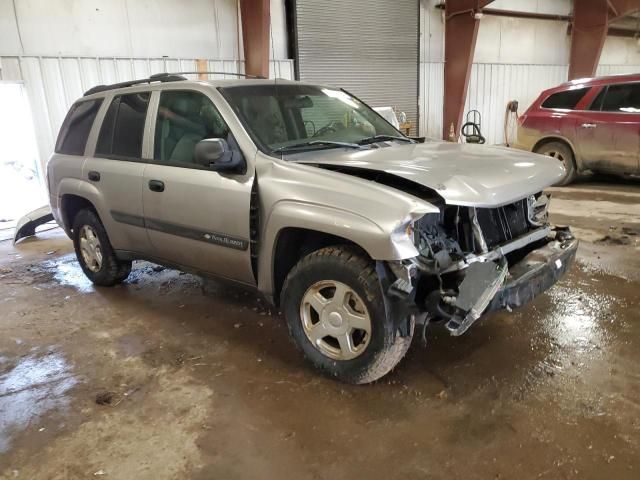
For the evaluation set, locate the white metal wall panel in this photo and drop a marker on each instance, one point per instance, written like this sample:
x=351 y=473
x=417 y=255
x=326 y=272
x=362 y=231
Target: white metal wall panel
x=370 y=49
x=54 y=83
x=617 y=69
x=491 y=87
x=431 y=100
x=141 y=28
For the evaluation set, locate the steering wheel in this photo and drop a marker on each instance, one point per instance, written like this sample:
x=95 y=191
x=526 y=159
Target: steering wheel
x=333 y=126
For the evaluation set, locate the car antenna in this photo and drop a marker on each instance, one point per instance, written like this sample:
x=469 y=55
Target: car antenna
x=278 y=101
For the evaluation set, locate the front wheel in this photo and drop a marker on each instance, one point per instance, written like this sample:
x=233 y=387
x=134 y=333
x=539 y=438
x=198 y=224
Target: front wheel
x=335 y=312
x=94 y=252
x=563 y=153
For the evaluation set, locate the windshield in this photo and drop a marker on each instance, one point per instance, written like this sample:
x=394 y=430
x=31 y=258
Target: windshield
x=287 y=117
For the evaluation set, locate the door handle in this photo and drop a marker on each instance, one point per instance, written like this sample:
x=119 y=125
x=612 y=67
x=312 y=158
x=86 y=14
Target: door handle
x=156 y=186
x=588 y=125
x=94 y=176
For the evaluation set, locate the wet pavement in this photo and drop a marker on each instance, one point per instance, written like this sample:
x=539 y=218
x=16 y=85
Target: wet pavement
x=169 y=377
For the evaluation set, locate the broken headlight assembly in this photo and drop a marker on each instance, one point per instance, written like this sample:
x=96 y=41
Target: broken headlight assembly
x=538 y=209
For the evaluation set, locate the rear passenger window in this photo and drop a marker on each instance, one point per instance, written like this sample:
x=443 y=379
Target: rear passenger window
x=76 y=127
x=567 y=100
x=624 y=97
x=123 y=126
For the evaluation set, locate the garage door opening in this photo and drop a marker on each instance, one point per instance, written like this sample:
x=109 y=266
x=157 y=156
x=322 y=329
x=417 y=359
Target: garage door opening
x=21 y=185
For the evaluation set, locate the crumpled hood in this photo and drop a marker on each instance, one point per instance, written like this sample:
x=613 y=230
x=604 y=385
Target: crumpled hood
x=468 y=175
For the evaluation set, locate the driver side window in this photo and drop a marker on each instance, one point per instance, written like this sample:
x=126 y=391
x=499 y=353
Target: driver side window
x=184 y=118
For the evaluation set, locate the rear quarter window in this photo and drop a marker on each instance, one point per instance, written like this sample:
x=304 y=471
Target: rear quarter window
x=566 y=100
x=75 y=129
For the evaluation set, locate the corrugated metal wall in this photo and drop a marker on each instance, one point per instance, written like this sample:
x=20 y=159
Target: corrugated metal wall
x=53 y=83
x=617 y=69
x=491 y=87
x=370 y=49
x=431 y=99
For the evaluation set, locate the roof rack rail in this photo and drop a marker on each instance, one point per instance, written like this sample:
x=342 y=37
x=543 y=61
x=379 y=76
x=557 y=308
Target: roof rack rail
x=233 y=74
x=161 y=77
x=158 y=77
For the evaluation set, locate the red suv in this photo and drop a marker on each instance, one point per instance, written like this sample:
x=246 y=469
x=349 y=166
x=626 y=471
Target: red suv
x=587 y=124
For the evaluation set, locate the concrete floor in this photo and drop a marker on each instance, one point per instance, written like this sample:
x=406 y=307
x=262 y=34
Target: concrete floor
x=160 y=378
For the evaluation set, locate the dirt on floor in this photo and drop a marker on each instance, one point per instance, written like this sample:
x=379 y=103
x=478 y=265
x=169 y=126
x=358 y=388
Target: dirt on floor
x=167 y=376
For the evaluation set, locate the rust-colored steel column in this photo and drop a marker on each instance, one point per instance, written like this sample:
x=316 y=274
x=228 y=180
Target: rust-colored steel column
x=461 y=31
x=621 y=8
x=591 y=20
x=588 y=33
x=256 y=19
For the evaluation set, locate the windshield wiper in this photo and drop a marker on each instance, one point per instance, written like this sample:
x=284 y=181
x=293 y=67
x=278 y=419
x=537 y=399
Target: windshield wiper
x=382 y=138
x=311 y=143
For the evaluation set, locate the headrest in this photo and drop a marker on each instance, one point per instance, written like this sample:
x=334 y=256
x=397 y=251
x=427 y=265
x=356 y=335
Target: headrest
x=185 y=106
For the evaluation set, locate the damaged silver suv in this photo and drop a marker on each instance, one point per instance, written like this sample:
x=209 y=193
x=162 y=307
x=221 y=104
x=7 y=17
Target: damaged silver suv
x=305 y=194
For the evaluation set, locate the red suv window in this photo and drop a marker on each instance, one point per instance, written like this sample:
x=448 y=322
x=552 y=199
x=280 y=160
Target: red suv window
x=624 y=97
x=567 y=99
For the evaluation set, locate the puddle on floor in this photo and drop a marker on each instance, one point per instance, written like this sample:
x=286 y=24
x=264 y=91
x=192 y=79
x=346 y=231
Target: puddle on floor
x=35 y=385
x=67 y=272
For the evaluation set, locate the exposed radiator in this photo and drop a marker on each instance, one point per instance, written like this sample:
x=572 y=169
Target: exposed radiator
x=502 y=224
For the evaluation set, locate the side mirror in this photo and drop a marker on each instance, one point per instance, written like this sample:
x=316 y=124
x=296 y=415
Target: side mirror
x=215 y=154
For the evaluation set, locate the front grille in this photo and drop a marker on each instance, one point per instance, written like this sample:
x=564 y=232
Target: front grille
x=499 y=225
x=502 y=224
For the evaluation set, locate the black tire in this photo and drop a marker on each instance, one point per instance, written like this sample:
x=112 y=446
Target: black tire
x=385 y=348
x=111 y=270
x=562 y=152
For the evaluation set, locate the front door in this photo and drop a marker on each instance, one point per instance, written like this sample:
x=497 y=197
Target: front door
x=195 y=217
x=608 y=135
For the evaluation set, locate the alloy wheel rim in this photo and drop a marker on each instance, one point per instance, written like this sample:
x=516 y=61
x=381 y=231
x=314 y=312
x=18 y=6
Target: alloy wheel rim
x=335 y=319
x=90 y=248
x=557 y=155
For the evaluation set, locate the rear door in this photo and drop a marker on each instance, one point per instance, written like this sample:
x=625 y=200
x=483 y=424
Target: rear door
x=116 y=170
x=608 y=133
x=195 y=217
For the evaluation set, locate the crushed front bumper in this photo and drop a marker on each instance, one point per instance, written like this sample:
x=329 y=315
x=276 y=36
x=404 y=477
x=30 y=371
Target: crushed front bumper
x=534 y=274
x=525 y=280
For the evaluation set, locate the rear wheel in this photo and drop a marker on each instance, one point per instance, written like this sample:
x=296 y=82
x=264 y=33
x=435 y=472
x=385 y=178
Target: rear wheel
x=94 y=251
x=561 y=152
x=336 y=315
